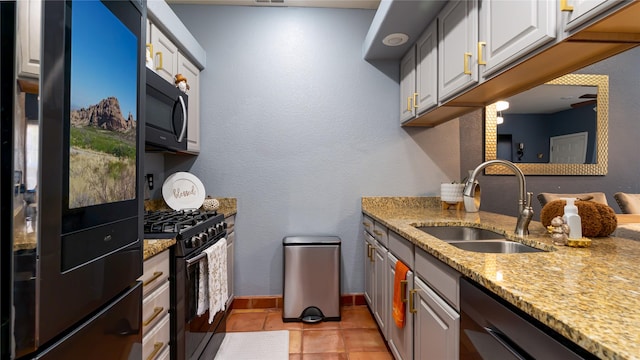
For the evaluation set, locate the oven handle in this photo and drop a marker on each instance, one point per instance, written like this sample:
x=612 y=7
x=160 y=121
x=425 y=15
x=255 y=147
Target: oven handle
x=195 y=259
x=499 y=337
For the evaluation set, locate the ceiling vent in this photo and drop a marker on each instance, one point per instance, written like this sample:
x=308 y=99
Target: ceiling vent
x=269 y=2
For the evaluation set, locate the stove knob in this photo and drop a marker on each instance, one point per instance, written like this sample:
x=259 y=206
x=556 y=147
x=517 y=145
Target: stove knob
x=193 y=242
x=212 y=231
x=204 y=237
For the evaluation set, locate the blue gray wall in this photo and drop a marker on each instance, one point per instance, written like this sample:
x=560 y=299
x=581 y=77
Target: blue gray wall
x=298 y=127
x=624 y=147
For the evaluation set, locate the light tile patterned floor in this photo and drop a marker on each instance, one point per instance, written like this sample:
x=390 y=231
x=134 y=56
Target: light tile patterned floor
x=355 y=337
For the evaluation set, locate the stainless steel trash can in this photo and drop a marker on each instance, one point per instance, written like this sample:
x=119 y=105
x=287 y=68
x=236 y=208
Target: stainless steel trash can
x=311 y=278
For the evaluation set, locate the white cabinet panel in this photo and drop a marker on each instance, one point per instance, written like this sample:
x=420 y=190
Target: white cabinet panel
x=165 y=55
x=578 y=12
x=437 y=326
x=369 y=274
x=510 y=29
x=191 y=72
x=457 y=47
x=29 y=14
x=381 y=309
x=407 y=85
x=400 y=339
x=427 y=69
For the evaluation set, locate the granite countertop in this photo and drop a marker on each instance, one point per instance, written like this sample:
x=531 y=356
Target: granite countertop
x=589 y=295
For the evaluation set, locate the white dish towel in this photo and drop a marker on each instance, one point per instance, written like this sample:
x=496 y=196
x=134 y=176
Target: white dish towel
x=217 y=266
x=203 y=286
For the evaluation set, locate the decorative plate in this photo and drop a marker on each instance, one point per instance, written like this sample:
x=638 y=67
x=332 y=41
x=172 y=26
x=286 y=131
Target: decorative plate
x=183 y=190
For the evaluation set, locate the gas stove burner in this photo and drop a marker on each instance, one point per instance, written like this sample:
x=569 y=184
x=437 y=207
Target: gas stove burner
x=174 y=221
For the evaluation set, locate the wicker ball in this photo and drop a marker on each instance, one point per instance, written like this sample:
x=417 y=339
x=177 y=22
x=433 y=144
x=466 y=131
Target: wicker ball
x=597 y=219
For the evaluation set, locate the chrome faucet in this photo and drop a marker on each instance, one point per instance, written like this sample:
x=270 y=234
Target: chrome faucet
x=525 y=211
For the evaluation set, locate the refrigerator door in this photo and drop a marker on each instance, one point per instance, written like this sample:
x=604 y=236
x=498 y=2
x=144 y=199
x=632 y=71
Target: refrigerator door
x=114 y=333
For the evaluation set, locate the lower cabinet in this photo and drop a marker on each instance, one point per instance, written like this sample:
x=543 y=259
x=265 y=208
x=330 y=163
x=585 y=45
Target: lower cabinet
x=431 y=297
x=375 y=281
x=436 y=325
x=155 y=307
x=400 y=339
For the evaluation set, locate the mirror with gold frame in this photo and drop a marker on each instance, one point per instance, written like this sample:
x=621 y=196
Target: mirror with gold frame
x=599 y=165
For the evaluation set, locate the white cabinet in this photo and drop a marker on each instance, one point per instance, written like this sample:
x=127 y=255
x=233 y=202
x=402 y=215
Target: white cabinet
x=578 y=12
x=506 y=35
x=437 y=325
x=29 y=13
x=407 y=85
x=231 y=237
x=457 y=47
x=400 y=339
x=165 y=54
x=375 y=289
x=155 y=306
x=418 y=76
x=191 y=72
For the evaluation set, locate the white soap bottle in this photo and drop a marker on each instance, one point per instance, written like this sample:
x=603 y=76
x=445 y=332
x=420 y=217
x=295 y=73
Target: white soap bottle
x=572 y=219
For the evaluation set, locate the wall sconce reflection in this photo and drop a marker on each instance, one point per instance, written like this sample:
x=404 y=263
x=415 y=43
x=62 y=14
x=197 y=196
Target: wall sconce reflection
x=520 y=151
x=500 y=107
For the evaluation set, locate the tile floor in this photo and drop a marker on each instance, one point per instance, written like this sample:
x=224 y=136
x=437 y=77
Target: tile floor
x=355 y=337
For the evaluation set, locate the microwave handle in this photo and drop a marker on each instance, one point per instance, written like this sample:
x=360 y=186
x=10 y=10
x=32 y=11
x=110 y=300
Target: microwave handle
x=184 y=116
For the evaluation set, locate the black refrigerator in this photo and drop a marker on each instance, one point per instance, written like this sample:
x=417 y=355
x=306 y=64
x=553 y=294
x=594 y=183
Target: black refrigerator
x=71 y=197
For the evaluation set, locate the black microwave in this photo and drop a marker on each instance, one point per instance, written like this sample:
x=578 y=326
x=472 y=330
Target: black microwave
x=166 y=115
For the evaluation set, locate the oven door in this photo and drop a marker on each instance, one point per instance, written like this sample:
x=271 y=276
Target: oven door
x=198 y=331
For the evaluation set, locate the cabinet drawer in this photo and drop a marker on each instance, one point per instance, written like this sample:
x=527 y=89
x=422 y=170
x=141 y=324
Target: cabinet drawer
x=367 y=222
x=154 y=307
x=156 y=272
x=165 y=354
x=439 y=276
x=401 y=248
x=381 y=233
x=231 y=223
x=155 y=342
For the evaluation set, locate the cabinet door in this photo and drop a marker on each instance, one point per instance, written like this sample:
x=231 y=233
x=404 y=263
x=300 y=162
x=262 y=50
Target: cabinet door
x=578 y=12
x=29 y=13
x=400 y=339
x=506 y=36
x=380 y=311
x=369 y=275
x=231 y=250
x=437 y=325
x=427 y=69
x=191 y=72
x=165 y=55
x=457 y=47
x=407 y=85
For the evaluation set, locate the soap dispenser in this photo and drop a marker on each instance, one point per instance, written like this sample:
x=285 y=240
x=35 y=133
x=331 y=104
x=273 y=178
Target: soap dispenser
x=572 y=219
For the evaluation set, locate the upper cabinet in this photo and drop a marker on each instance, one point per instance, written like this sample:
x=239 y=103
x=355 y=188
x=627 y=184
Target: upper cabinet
x=191 y=72
x=457 y=47
x=577 y=12
x=164 y=54
x=29 y=14
x=175 y=51
x=419 y=76
x=506 y=35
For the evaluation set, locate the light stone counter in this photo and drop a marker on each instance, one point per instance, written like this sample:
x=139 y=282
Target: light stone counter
x=589 y=295
x=153 y=247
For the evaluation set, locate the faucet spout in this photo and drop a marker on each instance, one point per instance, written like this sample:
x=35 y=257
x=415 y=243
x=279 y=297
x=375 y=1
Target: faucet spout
x=525 y=211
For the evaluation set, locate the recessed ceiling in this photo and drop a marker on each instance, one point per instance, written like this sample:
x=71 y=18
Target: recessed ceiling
x=344 y=4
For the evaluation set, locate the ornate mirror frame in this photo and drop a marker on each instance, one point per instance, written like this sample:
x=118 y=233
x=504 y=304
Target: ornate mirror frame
x=602 y=134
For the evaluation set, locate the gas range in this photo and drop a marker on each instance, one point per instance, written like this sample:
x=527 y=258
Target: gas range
x=192 y=229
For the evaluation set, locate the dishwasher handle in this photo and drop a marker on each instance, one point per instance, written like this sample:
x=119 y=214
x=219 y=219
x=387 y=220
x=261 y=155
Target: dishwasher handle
x=508 y=344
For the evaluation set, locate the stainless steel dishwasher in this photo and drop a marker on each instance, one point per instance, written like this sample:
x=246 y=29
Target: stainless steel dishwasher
x=492 y=329
x=311 y=278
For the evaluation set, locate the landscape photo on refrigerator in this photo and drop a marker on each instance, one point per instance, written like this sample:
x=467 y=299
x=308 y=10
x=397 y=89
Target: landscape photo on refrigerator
x=103 y=107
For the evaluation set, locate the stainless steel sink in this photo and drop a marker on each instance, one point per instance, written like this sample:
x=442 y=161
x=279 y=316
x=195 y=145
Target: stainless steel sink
x=500 y=247
x=477 y=240
x=461 y=233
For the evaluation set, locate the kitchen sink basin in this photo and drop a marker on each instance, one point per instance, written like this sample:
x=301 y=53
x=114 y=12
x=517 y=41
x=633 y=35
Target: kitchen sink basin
x=461 y=233
x=477 y=240
x=499 y=247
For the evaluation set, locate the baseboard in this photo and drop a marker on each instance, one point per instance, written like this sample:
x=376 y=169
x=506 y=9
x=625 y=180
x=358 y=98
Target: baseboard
x=275 y=302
